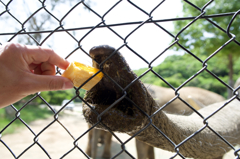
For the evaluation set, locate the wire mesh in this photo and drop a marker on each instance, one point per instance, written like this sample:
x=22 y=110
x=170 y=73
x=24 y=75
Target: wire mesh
x=31 y=28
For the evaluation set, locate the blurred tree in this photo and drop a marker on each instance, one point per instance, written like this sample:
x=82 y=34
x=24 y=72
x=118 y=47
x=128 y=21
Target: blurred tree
x=53 y=97
x=176 y=69
x=203 y=38
x=56 y=97
x=43 y=20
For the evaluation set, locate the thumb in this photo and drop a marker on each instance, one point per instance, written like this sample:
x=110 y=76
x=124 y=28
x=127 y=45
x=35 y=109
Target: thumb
x=51 y=82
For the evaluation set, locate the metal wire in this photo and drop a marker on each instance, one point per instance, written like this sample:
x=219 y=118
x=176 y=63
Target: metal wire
x=102 y=24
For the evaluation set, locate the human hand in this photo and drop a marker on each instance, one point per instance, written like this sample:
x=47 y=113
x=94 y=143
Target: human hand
x=25 y=70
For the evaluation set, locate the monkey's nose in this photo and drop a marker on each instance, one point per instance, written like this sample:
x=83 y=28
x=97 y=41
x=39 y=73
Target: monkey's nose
x=101 y=50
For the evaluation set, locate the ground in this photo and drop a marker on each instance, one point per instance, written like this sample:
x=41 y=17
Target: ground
x=57 y=142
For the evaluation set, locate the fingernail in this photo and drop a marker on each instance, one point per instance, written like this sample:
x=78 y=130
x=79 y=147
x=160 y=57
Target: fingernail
x=67 y=85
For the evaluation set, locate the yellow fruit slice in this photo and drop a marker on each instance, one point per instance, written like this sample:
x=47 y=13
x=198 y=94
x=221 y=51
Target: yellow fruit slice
x=79 y=73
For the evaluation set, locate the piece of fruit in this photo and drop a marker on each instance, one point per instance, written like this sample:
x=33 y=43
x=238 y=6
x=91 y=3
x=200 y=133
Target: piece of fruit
x=79 y=73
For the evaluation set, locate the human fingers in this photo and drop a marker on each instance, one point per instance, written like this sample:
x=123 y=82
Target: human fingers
x=37 y=55
x=39 y=83
x=43 y=69
x=47 y=69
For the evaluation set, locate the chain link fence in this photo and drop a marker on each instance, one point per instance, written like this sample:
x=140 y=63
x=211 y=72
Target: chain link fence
x=41 y=23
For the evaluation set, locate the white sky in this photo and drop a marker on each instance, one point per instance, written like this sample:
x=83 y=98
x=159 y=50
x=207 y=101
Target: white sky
x=148 y=41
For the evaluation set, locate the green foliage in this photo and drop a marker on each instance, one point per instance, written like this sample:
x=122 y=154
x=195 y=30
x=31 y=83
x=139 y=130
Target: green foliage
x=56 y=97
x=202 y=36
x=176 y=69
x=33 y=112
x=28 y=114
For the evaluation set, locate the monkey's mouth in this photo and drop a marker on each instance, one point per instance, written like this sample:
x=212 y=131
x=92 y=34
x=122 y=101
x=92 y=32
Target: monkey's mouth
x=109 y=102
